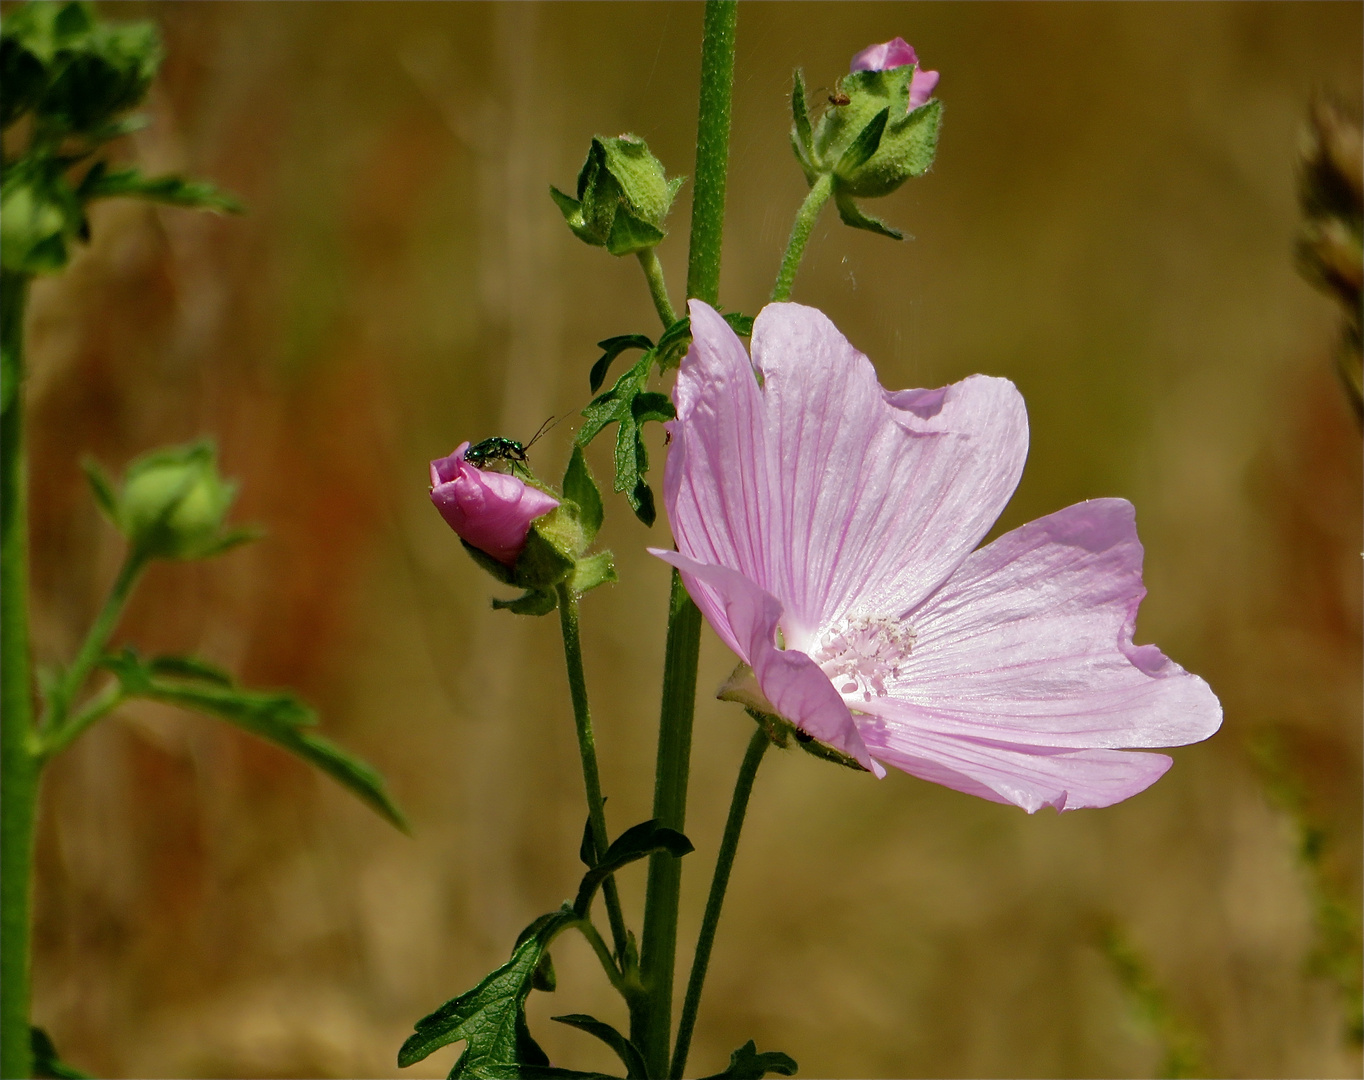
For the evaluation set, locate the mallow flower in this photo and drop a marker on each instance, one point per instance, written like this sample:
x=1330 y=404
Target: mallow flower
x=827 y=529
x=897 y=53
x=490 y=510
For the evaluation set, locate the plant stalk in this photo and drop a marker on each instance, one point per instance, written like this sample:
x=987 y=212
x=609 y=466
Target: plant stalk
x=18 y=762
x=658 y=288
x=800 y=236
x=587 y=748
x=724 y=863
x=651 y=1015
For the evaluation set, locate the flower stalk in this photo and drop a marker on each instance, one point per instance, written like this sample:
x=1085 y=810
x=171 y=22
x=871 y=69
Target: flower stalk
x=18 y=762
x=587 y=748
x=658 y=288
x=724 y=863
x=651 y=1016
x=804 y=225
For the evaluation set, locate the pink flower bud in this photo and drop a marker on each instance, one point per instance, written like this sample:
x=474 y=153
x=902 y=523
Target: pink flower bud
x=493 y=511
x=893 y=54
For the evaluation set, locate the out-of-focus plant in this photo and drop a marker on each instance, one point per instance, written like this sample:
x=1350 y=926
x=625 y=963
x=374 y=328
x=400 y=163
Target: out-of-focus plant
x=1330 y=245
x=69 y=80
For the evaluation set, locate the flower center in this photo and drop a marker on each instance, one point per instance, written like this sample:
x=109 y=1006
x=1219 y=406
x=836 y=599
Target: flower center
x=860 y=653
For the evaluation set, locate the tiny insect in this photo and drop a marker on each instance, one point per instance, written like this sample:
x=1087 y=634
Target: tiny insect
x=484 y=453
x=838 y=97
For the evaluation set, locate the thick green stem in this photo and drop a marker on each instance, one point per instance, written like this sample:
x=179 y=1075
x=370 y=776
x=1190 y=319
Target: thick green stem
x=800 y=236
x=18 y=762
x=658 y=288
x=651 y=1015
x=724 y=863
x=587 y=748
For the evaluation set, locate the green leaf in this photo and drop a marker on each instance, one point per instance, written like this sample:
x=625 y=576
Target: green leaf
x=46 y=1064
x=580 y=488
x=614 y=346
x=544 y=978
x=634 y=843
x=673 y=345
x=747 y=1064
x=175 y=190
x=627 y=1051
x=530 y=602
x=491 y=1017
x=740 y=324
x=275 y=716
x=802 y=138
x=852 y=215
x=864 y=146
x=587 y=850
x=595 y=570
x=106 y=498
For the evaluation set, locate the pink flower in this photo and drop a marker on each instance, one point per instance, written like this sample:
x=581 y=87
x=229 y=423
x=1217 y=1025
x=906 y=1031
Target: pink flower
x=826 y=528
x=893 y=54
x=493 y=511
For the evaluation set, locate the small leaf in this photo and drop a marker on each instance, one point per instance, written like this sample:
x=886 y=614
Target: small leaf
x=740 y=324
x=614 y=346
x=188 y=667
x=864 y=146
x=530 y=602
x=175 y=190
x=492 y=1016
x=651 y=405
x=852 y=215
x=46 y=1064
x=587 y=850
x=627 y=1051
x=641 y=500
x=617 y=406
x=635 y=843
x=582 y=489
x=747 y=1064
x=106 y=498
x=672 y=346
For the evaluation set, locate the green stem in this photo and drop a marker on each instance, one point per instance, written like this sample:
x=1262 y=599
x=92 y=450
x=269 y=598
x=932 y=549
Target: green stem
x=594 y=938
x=18 y=762
x=651 y=1015
x=587 y=748
x=724 y=863
x=800 y=236
x=53 y=742
x=658 y=288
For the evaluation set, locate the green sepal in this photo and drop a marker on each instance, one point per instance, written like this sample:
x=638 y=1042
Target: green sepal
x=551 y=551
x=99 y=183
x=491 y=1017
x=673 y=345
x=802 y=137
x=572 y=210
x=853 y=215
x=581 y=489
x=627 y=1051
x=106 y=497
x=530 y=602
x=747 y=1064
x=860 y=151
x=614 y=346
x=629 y=234
x=633 y=844
x=47 y=1065
x=500 y=570
x=40 y=217
x=276 y=716
x=594 y=570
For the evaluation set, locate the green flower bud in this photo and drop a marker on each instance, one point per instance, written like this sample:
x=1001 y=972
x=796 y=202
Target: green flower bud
x=173 y=504
x=623 y=196
x=39 y=215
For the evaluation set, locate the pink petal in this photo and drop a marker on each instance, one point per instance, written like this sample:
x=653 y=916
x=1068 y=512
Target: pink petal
x=1030 y=642
x=1027 y=776
x=746 y=618
x=889 y=54
x=493 y=511
x=821 y=487
x=921 y=88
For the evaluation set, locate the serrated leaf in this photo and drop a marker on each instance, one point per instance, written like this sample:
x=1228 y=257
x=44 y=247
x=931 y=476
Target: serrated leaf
x=672 y=346
x=580 y=488
x=634 y=843
x=277 y=717
x=175 y=190
x=861 y=149
x=530 y=602
x=614 y=346
x=47 y=1065
x=747 y=1064
x=627 y=1051
x=631 y=458
x=853 y=215
x=189 y=667
x=491 y=1017
x=651 y=405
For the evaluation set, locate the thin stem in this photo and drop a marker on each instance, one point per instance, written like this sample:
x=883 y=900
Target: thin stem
x=651 y=1015
x=594 y=938
x=18 y=763
x=51 y=743
x=724 y=863
x=800 y=236
x=587 y=749
x=658 y=288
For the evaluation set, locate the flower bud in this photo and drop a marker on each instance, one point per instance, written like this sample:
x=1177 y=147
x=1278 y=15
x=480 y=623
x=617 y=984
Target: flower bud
x=623 y=196
x=897 y=53
x=173 y=504
x=490 y=511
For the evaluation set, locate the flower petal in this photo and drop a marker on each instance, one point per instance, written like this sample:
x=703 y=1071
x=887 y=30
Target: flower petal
x=746 y=617
x=888 y=54
x=1030 y=643
x=1027 y=776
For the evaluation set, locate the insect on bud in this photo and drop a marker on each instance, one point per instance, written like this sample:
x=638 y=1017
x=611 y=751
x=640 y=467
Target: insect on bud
x=490 y=511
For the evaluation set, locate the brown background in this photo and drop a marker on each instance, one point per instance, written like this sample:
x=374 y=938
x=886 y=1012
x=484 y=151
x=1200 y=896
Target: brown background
x=1109 y=224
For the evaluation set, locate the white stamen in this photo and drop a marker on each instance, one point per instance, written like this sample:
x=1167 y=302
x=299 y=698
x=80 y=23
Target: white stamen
x=862 y=652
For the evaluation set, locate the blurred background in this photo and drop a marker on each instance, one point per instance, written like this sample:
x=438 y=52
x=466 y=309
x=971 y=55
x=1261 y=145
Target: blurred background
x=1110 y=224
